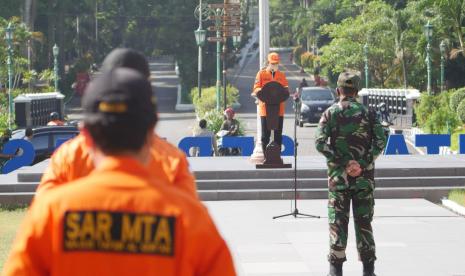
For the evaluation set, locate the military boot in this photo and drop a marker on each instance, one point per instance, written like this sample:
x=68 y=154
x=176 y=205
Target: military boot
x=369 y=269
x=335 y=269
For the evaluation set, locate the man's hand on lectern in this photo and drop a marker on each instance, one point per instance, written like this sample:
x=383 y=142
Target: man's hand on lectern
x=254 y=95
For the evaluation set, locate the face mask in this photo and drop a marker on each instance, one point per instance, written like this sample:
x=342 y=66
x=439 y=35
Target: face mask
x=273 y=67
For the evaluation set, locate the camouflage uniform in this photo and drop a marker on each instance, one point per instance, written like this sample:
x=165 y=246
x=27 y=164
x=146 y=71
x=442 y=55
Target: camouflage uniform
x=348 y=131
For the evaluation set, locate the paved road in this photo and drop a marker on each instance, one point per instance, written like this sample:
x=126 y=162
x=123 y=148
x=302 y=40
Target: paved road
x=172 y=125
x=414 y=237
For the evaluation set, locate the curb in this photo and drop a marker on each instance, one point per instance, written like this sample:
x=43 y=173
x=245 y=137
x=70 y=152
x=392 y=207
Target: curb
x=182 y=107
x=453 y=206
x=281 y=49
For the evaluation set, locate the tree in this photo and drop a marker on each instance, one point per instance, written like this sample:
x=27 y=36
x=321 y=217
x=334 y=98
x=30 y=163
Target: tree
x=399 y=27
x=453 y=15
x=346 y=47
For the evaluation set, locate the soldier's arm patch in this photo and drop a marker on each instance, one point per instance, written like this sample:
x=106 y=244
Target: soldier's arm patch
x=119 y=232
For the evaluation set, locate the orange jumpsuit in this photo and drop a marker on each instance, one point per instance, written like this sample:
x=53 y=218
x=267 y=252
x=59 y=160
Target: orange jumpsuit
x=119 y=220
x=263 y=77
x=72 y=161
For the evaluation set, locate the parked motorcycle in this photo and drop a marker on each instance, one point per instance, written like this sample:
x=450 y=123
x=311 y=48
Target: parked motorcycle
x=385 y=118
x=224 y=151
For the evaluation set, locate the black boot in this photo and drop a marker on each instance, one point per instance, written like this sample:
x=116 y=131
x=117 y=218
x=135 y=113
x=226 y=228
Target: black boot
x=335 y=269
x=369 y=269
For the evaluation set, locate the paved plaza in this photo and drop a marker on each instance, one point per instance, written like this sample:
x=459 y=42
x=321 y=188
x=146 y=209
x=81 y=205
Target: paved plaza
x=414 y=237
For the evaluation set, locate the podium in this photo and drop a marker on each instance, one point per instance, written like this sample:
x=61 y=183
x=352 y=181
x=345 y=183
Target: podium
x=273 y=94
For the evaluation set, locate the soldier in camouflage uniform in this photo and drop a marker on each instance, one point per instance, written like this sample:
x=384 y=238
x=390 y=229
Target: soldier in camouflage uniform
x=351 y=138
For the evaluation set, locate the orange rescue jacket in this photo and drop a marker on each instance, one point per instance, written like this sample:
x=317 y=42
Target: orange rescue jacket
x=119 y=220
x=72 y=161
x=263 y=77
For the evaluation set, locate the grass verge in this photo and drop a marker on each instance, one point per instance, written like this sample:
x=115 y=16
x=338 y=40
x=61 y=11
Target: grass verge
x=457 y=196
x=10 y=219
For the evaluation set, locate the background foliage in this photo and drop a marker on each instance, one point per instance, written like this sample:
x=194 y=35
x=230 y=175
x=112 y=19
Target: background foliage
x=208 y=100
x=89 y=29
x=86 y=31
x=392 y=29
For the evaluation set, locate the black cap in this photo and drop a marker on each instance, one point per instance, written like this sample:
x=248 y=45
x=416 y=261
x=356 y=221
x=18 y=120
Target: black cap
x=120 y=97
x=125 y=57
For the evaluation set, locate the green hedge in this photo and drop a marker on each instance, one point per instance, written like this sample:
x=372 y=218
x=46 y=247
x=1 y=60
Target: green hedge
x=456 y=98
x=434 y=114
x=208 y=100
x=461 y=111
x=215 y=120
x=205 y=107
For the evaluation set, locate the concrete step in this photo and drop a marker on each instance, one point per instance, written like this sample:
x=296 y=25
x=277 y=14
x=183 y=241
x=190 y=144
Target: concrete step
x=434 y=194
x=322 y=173
x=302 y=183
x=322 y=183
x=18 y=187
x=16 y=198
x=289 y=173
x=236 y=178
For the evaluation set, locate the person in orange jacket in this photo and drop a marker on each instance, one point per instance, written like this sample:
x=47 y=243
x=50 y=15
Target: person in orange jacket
x=270 y=73
x=72 y=160
x=119 y=220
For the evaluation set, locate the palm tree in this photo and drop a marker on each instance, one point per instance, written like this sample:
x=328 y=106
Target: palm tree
x=453 y=13
x=399 y=27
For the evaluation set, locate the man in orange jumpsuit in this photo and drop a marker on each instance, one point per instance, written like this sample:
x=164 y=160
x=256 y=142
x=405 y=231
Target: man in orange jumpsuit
x=265 y=75
x=119 y=220
x=72 y=160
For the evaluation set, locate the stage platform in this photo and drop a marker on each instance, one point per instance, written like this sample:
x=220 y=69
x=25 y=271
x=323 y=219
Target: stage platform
x=235 y=178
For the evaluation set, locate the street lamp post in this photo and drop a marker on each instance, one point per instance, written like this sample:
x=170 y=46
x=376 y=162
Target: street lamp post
x=429 y=36
x=9 y=41
x=442 y=47
x=367 y=77
x=237 y=41
x=225 y=49
x=200 y=36
x=56 y=51
x=236 y=44
x=218 y=58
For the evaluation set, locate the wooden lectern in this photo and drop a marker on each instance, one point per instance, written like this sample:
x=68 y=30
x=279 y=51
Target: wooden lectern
x=272 y=94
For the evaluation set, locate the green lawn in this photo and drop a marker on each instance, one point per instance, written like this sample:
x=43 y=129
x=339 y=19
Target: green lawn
x=9 y=224
x=458 y=196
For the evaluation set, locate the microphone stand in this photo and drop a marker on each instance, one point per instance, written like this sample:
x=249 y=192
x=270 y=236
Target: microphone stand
x=296 y=213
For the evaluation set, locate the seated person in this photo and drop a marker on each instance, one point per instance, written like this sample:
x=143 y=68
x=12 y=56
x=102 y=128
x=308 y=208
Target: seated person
x=203 y=131
x=230 y=124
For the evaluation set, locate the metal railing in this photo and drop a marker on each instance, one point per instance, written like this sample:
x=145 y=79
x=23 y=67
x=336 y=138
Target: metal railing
x=34 y=109
x=399 y=103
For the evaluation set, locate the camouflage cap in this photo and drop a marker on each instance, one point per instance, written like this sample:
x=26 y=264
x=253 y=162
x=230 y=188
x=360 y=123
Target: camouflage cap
x=348 y=79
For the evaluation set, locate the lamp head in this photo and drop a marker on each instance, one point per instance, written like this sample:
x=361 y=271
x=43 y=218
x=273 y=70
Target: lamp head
x=55 y=50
